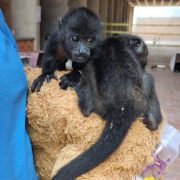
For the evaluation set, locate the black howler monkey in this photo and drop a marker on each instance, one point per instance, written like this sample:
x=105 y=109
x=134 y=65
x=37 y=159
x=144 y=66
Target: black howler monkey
x=140 y=50
x=111 y=85
x=79 y=32
x=137 y=45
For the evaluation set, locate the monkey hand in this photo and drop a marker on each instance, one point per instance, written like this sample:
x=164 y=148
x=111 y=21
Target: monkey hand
x=69 y=80
x=38 y=82
x=65 y=82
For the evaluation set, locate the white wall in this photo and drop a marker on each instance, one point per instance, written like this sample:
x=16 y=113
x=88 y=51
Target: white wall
x=24 y=19
x=52 y=10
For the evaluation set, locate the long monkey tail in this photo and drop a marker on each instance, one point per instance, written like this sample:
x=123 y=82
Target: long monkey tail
x=111 y=137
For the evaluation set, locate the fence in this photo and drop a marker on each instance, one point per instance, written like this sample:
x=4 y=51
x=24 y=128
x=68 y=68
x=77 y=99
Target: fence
x=125 y=28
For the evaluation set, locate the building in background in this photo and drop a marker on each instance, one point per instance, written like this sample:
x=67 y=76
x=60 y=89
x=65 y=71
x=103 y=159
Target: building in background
x=32 y=21
x=158 y=25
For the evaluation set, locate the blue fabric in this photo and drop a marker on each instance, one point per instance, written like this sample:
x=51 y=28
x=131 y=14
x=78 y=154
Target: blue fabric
x=16 y=160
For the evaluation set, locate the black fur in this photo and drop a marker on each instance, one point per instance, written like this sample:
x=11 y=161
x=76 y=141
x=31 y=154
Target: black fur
x=138 y=46
x=79 y=32
x=153 y=117
x=111 y=85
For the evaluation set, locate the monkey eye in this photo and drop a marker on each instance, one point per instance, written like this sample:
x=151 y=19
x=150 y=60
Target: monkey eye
x=75 y=39
x=90 y=40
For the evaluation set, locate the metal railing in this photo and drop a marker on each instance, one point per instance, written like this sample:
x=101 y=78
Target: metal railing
x=126 y=28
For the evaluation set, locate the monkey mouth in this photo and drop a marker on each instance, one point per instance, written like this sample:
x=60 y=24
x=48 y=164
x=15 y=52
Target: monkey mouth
x=79 y=59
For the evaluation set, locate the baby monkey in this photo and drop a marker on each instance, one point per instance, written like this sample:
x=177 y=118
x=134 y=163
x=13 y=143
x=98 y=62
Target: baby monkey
x=140 y=50
x=71 y=45
x=112 y=85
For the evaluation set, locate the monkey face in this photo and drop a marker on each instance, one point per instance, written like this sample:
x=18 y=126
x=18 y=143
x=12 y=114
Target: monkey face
x=80 y=30
x=79 y=47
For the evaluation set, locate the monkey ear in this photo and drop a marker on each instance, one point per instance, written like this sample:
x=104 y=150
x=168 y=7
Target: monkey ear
x=60 y=23
x=135 y=41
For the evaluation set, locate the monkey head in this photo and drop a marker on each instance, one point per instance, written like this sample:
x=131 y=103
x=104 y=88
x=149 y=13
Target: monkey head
x=137 y=45
x=140 y=49
x=81 y=31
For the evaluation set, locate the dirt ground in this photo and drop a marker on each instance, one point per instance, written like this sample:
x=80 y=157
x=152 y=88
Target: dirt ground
x=168 y=89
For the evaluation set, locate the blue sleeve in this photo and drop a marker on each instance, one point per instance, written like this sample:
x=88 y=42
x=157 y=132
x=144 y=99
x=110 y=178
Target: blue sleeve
x=16 y=160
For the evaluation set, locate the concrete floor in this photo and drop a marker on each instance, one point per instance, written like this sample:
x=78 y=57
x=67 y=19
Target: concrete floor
x=168 y=90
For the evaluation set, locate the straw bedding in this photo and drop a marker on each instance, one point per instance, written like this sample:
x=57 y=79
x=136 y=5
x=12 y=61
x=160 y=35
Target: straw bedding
x=59 y=132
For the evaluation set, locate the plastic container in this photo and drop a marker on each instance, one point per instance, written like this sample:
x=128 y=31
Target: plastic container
x=165 y=154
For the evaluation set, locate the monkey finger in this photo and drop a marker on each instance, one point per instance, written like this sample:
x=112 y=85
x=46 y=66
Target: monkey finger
x=38 y=86
x=49 y=77
x=55 y=77
x=52 y=77
x=33 y=86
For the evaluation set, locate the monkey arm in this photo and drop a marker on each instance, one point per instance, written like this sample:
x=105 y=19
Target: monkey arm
x=49 y=63
x=48 y=69
x=153 y=116
x=85 y=98
x=86 y=90
x=72 y=79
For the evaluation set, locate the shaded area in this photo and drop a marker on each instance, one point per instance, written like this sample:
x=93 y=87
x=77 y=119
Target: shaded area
x=168 y=89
